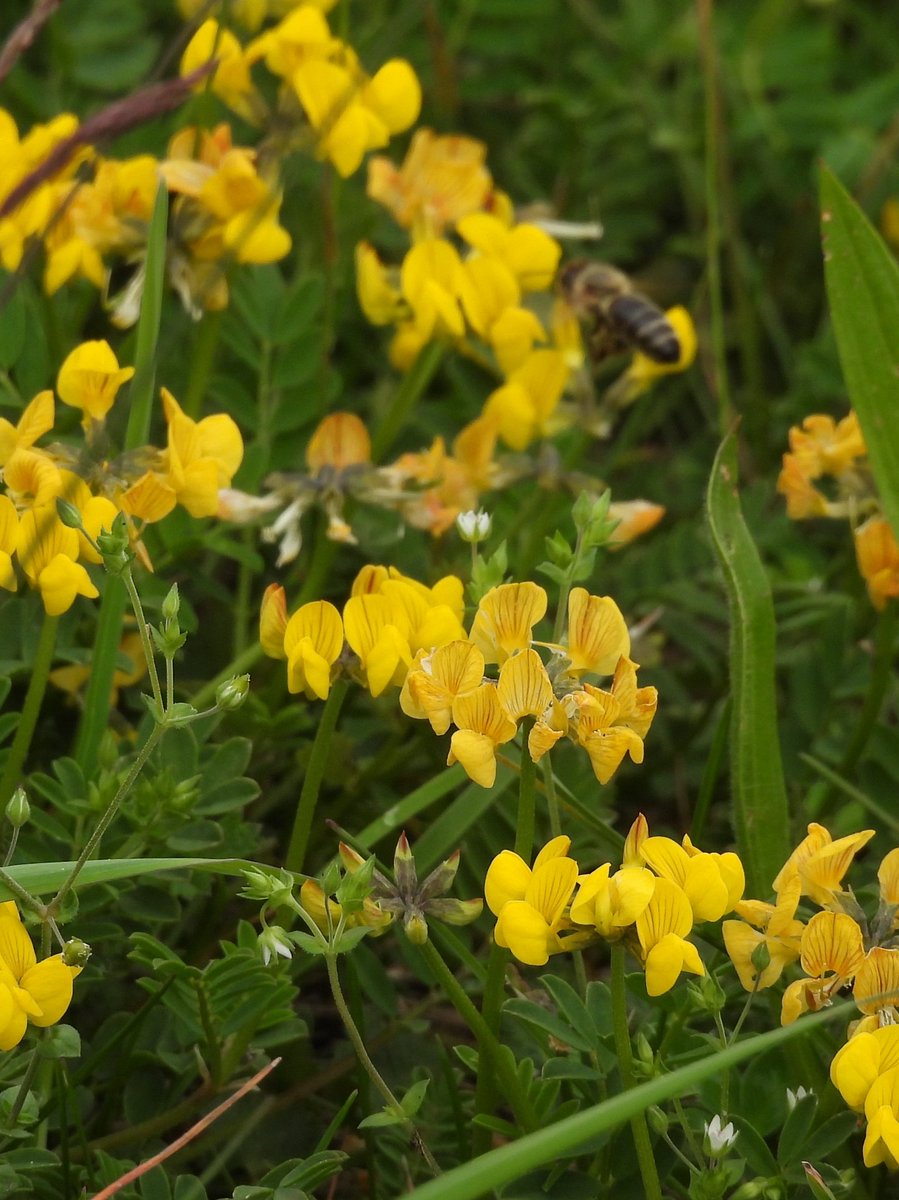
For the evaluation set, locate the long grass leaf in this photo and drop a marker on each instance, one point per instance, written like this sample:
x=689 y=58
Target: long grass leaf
x=863 y=290
x=759 y=800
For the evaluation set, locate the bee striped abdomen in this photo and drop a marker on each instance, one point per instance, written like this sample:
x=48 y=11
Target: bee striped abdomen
x=645 y=326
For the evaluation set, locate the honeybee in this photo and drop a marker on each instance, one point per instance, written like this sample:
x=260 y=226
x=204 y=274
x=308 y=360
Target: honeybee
x=617 y=317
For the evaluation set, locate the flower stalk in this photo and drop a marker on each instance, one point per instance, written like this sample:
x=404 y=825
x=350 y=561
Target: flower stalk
x=34 y=696
x=315 y=771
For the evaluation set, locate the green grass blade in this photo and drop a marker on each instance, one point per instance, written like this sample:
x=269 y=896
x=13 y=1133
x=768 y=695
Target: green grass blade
x=45 y=879
x=445 y=834
x=759 y=800
x=143 y=384
x=863 y=290
x=410 y=806
x=499 y=1167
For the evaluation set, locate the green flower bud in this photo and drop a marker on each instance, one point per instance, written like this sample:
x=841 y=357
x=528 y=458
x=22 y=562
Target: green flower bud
x=275 y=889
x=68 y=513
x=231 y=694
x=760 y=957
x=115 y=547
x=171 y=604
x=658 y=1120
x=18 y=810
x=75 y=953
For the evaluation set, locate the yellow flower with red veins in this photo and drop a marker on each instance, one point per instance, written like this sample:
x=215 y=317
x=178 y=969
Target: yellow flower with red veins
x=30 y=991
x=831 y=952
x=47 y=552
x=821 y=864
x=482 y=726
x=530 y=904
x=597 y=634
x=506 y=618
x=437 y=678
x=773 y=926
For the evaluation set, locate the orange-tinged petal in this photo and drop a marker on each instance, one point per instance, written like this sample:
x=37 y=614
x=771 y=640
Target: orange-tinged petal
x=524 y=688
x=877 y=980
x=832 y=942
x=339 y=441
x=505 y=619
x=273 y=621
x=597 y=633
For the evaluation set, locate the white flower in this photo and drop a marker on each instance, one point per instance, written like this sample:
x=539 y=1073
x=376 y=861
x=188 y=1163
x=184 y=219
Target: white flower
x=717 y=1139
x=273 y=940
x=474 y=526
x=793 y=1098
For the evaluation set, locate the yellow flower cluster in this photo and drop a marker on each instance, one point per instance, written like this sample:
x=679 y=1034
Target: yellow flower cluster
x=837 y=947
x=324 y=88
x=30 y=991
x=827 y=450
x=398 y=632
x=661 y=890
x=199 y=459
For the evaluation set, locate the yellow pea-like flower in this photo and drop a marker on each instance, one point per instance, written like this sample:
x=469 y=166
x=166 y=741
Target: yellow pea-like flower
x=313 y=640
x=877 y=555
x=90 y=377
x=597 y=634
x=378 y=632
x=37 y=419
x=882 y=1114
x=30 y=991
x=662 y=928
x=47 y=552
x=483 y=726
x=530 y=904
x=876 y=985
x=864 y=1057
x=437 y=678
x=9 y=533
x=612 y=902
x=202 y=456
x=506 y=618
x=524 y=689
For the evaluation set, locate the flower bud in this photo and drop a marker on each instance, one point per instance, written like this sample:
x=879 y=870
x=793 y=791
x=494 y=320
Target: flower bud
x=115 y=547
x=230 y=695
x=474 y=526
x=171 y=604
x=658 y=1121
x=404 y=872
x=276 y=889
x=272 y=941
x=415 y=927
x=68 y=513
x=18 y=810
x=75 y=953
x=718 y=1138
x=760 y=957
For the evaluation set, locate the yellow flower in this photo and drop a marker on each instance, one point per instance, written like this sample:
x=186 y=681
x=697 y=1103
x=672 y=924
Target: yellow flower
x=303 y=34
x=39 y=992
x=9 y=533
x=326 y=913
x=430 y=280
x=202 y=456
x=698 y=876
x=888 y=878
x=597 y=634
x=530 y=904
x=379 y=296
x=36 y=420
x=827 y=447
x=47 y=551
x=339 y=441
x=32 y=479
x=437 y=678
x=831 y=951
x=333 y=103
x=90 y=377
x=524 y=689
x=881 y=1109
x=378 y=632
x=442 y=179
x=528 y=252
x=877 y=555
x=273 y=621
x=313 y=640
x=506 y=618
x=523 y=407
x=803 y=498
x=662 y=928
x=482 y=727
x=230 y=80
x=876 y=984
x=822 y=862
x=611 y=903
x=864 y=1057
x=429 y=625
x=776 y=928
x=596 y=718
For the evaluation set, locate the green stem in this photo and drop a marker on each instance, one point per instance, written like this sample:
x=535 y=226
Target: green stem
x=27 y=1080
x=491 y=1006
x=552 y=800
x=881 y=677
x=315 y=770
x=34 y=696
x=145 y=639
x=527 y=797
x=372 y=1071
x=712 y=100
x=95 y=716
x=405 y=397
x=202 y=360
x=143 y=383
x=488 y=1044
x=22 y=894
x=642 y=1144
x=106 y=820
